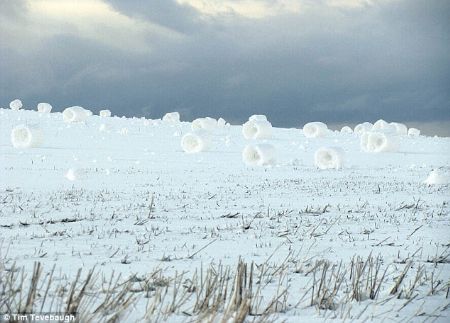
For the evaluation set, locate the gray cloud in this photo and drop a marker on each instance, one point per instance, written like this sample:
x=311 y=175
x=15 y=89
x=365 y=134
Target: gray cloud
x=331 y=64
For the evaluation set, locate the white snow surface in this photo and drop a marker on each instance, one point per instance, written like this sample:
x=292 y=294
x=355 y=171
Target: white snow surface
x=211 y=208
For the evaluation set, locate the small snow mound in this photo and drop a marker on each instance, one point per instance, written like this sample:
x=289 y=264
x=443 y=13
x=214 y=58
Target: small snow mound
x=206 y=124
x=75 y=114
x=346 y=129
x=437 y=178
x=16 y=105
x=44 y=107
x=362 y=128
x=104 y=128
x=23 y=136
x=329 y=158
x=195 y=142
x=413 y=132
x=259 y=155
x=257 y=129
x=74 y=174
x=171 y=117
x=104 y=113
x=315 y=129
x=377 y=142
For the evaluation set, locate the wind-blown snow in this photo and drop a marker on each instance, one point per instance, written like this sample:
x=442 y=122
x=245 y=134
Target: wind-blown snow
x=315 y=129
x=75 y=114
x=23 y=136
x=133 y=202
x=329 y=158
x=259 y=155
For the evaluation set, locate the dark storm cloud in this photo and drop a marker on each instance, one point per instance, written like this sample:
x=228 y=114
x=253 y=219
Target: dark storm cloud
x=335 y=65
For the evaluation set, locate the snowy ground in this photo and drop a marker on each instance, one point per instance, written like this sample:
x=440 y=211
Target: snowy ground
x=139 y=203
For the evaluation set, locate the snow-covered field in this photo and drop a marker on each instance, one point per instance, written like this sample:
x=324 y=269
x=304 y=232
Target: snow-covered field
x=285 y=242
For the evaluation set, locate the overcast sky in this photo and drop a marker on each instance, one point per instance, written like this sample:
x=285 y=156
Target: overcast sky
x=296 y=61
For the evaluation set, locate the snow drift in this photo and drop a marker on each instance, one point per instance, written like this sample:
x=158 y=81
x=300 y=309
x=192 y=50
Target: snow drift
x=315 y=129
x=75 y=114
x=104 y=113
x=44 y=108
x=207 y=124
x=15 y=104
x=23 y=136
x=377 y=142
x=195 y=142
x=257 y=129
x=259 y=155
x=171 y=117
x=329 y=158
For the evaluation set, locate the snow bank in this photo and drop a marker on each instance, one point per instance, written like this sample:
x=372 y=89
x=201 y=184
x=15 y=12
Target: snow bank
x=207 y=124
x=15 y=104
x=257 y=129
x=259 y=155
x=363 y=127
x=400 y=128
x=44 y=107
x=171 y=117
x=23 y=136
x=329 y=157
x=346 y=129
x=413 y=132
x=377 y=142
x=437 y=178
x=257 y=117
x=104 y=113
x=315 y=129
x=195 y=142
x=75 y=114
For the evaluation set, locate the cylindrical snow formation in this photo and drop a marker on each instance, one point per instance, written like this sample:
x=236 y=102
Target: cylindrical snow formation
x=259 y=155
x=253 y=129
x=171 y=117
x=15 y=104
x=329 y=158
x=44 y=108
x=413 y=132
x=75 y=114
x=23 y=136
x=195 y=142
x=362 y=128
x=377 y=142
x=400 y=128
x=221 y=123
x=258 y=117
x=207 y=124
x=104 y=113
x=346 y=129
x=315 y=129
x=383 y=126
